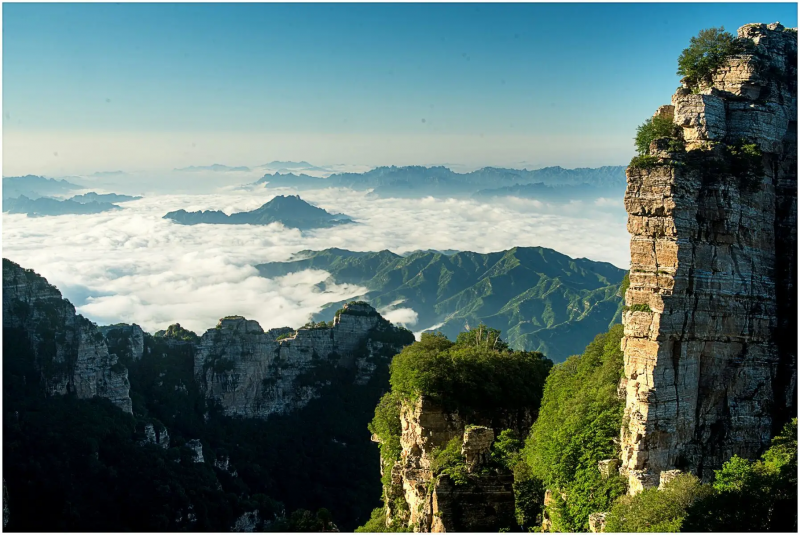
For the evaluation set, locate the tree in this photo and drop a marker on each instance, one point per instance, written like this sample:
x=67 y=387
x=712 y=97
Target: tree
x=753 y=496
x=707 y=52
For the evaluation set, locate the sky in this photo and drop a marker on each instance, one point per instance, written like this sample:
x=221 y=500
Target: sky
x=97 y=87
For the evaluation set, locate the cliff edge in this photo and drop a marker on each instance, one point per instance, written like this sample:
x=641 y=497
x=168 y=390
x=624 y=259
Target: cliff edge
x=711 y=311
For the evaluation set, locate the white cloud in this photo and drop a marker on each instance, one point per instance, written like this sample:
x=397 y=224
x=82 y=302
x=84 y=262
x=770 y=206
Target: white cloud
x=134 y=266
x=609 y=202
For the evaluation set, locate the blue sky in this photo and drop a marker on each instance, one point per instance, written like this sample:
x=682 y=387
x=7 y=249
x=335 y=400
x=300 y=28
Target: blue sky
x=120 y=85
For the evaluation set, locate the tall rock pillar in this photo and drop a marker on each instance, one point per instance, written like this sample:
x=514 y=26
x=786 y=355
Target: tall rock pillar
x=711 y=319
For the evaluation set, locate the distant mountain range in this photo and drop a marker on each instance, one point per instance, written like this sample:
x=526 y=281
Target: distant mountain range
x=557 y=194
x=214 y=167
x=109 y=174
x=44 y=206
x=33 y=187
x=102 y=197
x=540 y=299
x=291 y=211
x=415 y=181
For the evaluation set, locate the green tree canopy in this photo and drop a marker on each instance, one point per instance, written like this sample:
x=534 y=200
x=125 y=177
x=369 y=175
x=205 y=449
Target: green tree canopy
x=655 y=510
x=707 y=52
x=477 y=372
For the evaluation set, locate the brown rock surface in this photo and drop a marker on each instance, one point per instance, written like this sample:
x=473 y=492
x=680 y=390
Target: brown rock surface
x=435 y=503
x=710 y=336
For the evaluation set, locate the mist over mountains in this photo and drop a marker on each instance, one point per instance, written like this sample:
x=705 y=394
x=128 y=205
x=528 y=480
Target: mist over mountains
x=289 y=210
x=539 y=298
x=415 y=181
x=33 y=187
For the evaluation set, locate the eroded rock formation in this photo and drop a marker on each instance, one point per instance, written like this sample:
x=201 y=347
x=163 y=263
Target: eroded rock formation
x=710 y=330
x=253 y=373
x=434 y=503
x=68 y=350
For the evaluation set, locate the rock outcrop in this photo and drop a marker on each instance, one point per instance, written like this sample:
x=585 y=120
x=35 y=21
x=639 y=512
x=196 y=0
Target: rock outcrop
x=68 y=350
x=253 y=373
x=248 y=522
x=154 y=434
x=428 y=502
x=597 y=522
x=197 y=450
x=127 y=341
x=711 y=319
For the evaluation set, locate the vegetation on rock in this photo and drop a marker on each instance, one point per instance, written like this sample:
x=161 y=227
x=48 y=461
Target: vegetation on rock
x=707 y=52
x=652 y=129
x=176 y=332
x=655 y=510
x=477 y=372
x=580 y=417
x=449 y=461
x=744 y=496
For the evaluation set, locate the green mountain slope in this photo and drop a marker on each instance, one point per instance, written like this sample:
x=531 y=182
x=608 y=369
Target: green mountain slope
x=541 y=299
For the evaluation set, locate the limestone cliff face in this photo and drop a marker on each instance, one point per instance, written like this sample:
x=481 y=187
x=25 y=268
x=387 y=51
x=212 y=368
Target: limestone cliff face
x=429 y=503
x=710 y=335
x=253 y=373
x=68 y=349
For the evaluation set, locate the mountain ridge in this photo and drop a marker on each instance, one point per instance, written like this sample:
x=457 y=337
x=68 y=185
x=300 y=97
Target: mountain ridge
x=289 y=210
x=534 y=295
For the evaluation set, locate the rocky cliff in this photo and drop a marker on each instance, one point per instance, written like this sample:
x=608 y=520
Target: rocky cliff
x=710 y=326
x=253 y=373
x=426 y=501
x=67 y=349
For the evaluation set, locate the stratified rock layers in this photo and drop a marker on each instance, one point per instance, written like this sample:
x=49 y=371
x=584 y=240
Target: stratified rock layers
x=68 y=349
x=426 y=502
x=710 y=333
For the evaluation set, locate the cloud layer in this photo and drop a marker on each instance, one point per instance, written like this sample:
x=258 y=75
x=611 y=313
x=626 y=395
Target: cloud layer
x=134 y=266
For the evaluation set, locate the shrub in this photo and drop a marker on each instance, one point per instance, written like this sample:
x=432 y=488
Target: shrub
x=623 y=287
x=377 y=524
x=707 y=52
x=450 y=462
x=652 y=129
x=655 y=510
x=746 y=164
x=176 y=332
x=528 y=497
x=386 y=425
x=644 y=162
x=312 y=325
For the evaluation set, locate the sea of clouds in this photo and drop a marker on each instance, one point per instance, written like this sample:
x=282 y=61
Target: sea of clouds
x=134 y=266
